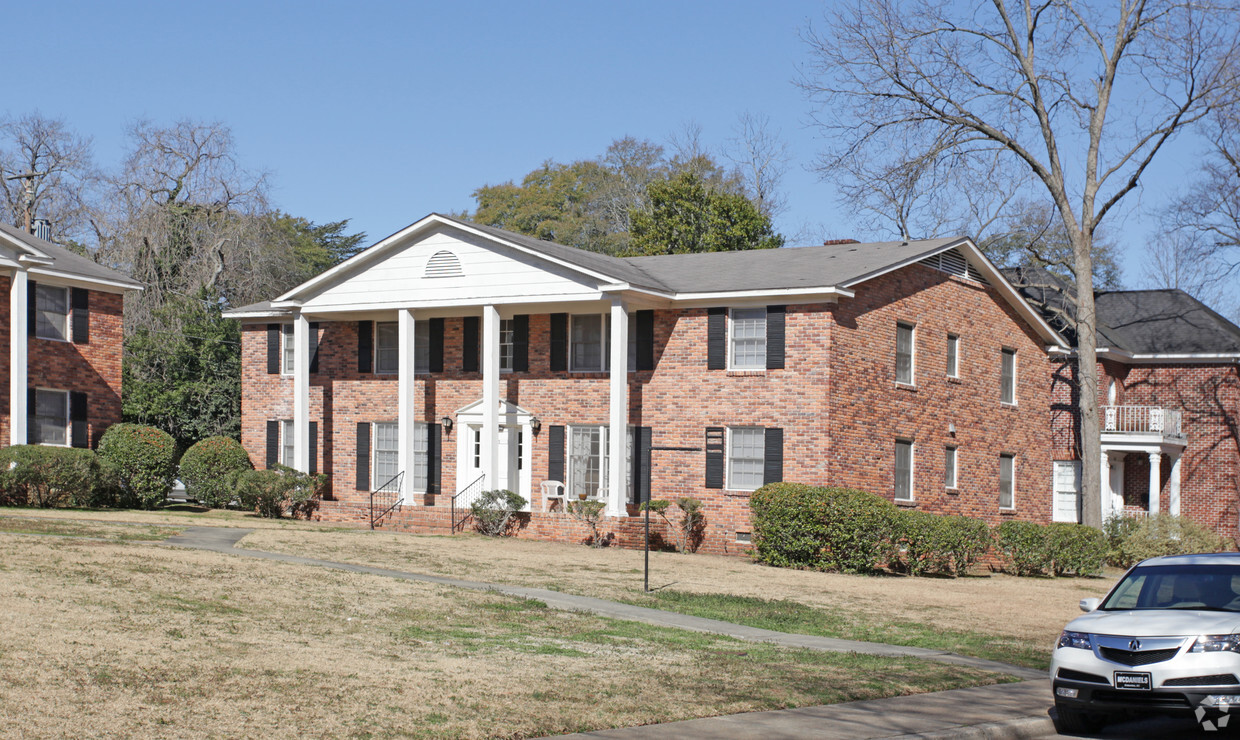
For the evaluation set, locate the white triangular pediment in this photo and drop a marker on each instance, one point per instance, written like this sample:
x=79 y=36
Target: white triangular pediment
x=509 y=411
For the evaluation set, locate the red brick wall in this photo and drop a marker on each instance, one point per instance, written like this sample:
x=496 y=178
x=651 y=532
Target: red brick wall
x=94 y=368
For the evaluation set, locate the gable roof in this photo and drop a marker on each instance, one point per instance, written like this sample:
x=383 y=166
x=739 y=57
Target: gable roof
x=52 y=259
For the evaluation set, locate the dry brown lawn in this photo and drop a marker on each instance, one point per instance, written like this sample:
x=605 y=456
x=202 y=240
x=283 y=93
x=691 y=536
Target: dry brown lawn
x=128 y=639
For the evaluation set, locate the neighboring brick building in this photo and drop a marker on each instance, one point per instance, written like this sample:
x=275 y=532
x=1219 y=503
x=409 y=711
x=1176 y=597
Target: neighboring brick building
x=60 y=330
x=912 y=369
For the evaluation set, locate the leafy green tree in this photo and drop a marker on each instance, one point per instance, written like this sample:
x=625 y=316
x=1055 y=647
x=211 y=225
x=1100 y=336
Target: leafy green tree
x=563 y=203
x=312 y=247
x=687 y=216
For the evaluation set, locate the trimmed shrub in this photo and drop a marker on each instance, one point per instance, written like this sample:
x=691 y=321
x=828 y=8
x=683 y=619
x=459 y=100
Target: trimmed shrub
x=1026 y=547
x=590 y=512
x=34 y=475
x=207 y=466
x=839 y=529
x=692 y=524
x=940 y=544
x=1076 y=548
x=272 y=493
x=493 y=511
x=1160 y=534
x=144 y=459
x=967 y=540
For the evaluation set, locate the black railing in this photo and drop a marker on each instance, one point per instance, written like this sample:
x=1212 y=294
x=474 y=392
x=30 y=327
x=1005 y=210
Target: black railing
x=387 y=496
x=467 y=496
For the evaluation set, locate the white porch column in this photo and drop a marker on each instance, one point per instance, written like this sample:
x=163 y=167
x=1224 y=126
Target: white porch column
x=1105 y=486
x=19 y=342
x=618 y=431
x=1173 y=486
x=1155 y=481
x=301 y=393
x=490 y=396
x=406 y=398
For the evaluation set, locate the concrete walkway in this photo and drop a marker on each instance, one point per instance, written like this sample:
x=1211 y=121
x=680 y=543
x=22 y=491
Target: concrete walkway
x=1007 y=710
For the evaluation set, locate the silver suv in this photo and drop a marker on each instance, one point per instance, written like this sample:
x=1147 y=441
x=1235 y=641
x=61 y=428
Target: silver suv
x=1165 y=640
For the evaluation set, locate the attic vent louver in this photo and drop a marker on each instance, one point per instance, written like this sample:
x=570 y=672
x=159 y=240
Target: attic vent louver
x=953 y=263
x=443 y=264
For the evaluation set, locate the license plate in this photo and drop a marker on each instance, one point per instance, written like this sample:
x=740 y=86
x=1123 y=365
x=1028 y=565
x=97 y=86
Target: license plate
x=1137 y=681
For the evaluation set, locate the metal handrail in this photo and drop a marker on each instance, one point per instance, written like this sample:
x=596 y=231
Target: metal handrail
x=473 y=489
x=387 y=489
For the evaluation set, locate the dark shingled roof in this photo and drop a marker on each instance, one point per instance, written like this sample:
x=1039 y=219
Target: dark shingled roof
x=65 y=261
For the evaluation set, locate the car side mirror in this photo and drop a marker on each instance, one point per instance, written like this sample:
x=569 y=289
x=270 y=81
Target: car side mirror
x=1088 y=605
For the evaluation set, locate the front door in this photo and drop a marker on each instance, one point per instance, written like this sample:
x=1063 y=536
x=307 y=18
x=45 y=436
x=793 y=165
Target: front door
x=511 y=475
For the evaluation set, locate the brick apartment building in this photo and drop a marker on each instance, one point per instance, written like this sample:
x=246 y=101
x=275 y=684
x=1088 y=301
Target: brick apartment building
x=60 y=328
x=451 y=358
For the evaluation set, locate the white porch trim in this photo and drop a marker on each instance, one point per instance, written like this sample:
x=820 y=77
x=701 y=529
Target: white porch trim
x=1173 y=486
x=406 y=402
x=490 y=394
x=301 y=393
x=617 y=471
x=1155 y=482
x=19 y=341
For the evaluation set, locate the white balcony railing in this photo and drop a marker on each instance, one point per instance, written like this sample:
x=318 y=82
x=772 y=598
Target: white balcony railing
x=1142 y=420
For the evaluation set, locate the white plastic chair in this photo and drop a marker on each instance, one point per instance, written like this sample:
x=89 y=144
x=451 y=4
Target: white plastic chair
x=552 y=490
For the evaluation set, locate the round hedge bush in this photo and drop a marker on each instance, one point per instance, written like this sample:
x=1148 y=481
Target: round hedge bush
x=34 y=475
x=839 y=529
x=206 y=468
x=144 y=461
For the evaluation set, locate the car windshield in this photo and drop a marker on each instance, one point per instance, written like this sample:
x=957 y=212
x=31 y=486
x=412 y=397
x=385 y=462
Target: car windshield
x=1209 y=587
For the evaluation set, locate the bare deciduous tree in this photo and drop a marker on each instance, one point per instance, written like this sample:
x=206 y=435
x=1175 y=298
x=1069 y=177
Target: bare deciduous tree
x=761 y=157
x=1080 y=97
x=45 y=172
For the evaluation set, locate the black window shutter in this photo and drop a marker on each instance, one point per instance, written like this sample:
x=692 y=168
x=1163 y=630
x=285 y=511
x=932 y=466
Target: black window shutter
x=273 y=349
x=774 y=337
x=32 y=306
x=716 y=446
x=314 y=447
x=559 y=343
x=436 y=346
x=314 y=346
x=555 y=453
x=645 y=340
x=273 y=444
x=641 y=463
x=79 y=434
x=365 y=346
x=434 y=454
x=773 y=459
x=521 y=343
x=716 y=340
x=81 y=315
x=469 y=345
x=363 y=456
x=32 y=429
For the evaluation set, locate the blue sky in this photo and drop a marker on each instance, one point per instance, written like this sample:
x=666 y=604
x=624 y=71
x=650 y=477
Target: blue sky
x=381 y=112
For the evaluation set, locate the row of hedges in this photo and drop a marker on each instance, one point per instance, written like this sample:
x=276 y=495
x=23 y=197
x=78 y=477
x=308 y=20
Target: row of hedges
x=135 y=468
x=852 y=531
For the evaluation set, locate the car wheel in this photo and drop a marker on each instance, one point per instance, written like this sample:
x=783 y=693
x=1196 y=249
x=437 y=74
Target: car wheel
x=1072 y=721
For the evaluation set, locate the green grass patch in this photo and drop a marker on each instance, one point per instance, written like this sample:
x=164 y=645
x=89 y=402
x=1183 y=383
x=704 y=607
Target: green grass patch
x=97 y=530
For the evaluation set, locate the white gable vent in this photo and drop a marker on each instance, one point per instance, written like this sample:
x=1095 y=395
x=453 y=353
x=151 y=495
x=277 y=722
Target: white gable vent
x=953 y=263
x=443 y=264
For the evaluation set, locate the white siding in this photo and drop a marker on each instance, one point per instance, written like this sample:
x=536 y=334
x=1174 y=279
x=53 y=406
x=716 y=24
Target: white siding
x=489 y=269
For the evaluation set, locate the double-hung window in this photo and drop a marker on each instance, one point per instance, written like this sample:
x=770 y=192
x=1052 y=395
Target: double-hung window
x=51 y=305
x=1007 y=484
x=387 y=348
x=588 y=341
x=587 y=460
x=950 y=458
x=746 y=456
x=953 y=356
x=904 y=353
x=1007 y=376
x=747 y=345
x=386 y=456
x=904 y=470
x=51 y=417
x=287 y=439
x=288 y=349
x=505 y=344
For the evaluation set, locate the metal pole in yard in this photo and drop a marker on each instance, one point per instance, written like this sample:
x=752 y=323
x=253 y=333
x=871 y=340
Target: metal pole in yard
x=647 y=553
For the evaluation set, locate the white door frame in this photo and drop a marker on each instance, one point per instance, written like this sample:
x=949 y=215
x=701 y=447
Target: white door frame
x=512 y=418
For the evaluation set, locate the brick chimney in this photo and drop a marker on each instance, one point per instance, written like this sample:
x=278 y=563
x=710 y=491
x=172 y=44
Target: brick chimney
x=837 y=242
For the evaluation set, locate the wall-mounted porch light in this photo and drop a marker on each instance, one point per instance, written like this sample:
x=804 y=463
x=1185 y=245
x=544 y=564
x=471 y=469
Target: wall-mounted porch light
x=446 y=423
x=535 y=424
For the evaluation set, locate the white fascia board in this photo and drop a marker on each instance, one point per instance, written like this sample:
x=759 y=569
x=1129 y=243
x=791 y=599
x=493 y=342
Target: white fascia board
x=32 y=259
x=382 y=246
x=22 y=246
x=81 y=281
x=828 y=294
x=268 y=314
x=1182 y=358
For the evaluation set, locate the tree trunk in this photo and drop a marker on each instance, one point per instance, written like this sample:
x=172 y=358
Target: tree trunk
x=1087 y=376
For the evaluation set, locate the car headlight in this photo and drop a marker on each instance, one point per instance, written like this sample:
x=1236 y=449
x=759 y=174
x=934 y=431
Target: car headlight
x=1075 y=640
x=1216 y=644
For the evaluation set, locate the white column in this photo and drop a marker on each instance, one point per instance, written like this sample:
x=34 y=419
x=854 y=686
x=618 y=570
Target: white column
x=19 y=343
x=301 y=393
x=1173 y=486
x=406 y=401
x=618 y=431
x=1155 y=481
x=490 y=396
x=1104 y=486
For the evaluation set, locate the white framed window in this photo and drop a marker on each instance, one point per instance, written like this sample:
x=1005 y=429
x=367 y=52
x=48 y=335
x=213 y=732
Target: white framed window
x=1007 y=376
x=385 y=453
x=1007 y=481
x=288 y=349
x=387 y=348
x=950 y=457
x=587 y=460
x=904 y=470
x=747 y=340
x=953 y=356
x=421 y=459
x=905 y=351
x=1066 y=482
x=51 y=312
x=746 y=456
x=632 y=342
x=51 y=417
x=505 y=345
x=589 y=341
x=287 y=439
